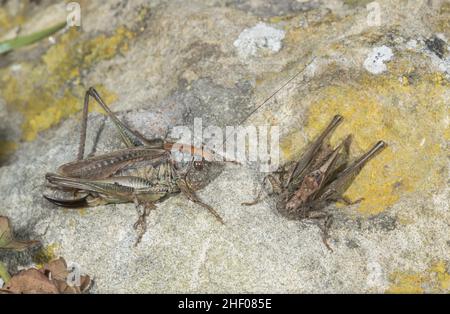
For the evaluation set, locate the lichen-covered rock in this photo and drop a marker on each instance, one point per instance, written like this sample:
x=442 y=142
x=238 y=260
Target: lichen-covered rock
x=163 y=64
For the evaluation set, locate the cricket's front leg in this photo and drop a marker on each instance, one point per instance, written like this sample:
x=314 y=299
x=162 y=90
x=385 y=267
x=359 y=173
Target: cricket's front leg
x=325 y=227
x=192 y=196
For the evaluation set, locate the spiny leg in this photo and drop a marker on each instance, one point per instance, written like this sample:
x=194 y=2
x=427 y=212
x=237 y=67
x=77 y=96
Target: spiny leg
x=192 y=196
x=325 y=227
x=82 y=144
x=129 y=137
x=325 y=231
x=97 y=139
x=141 y=224
x=332 y=195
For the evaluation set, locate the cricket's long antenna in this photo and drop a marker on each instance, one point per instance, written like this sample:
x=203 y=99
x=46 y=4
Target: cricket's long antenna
x=278 y=90
x=271 y=96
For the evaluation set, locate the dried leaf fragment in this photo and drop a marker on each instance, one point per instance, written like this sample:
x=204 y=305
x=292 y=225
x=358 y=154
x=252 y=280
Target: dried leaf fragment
x=56 y=269
x=51 y=279
x=31 y=281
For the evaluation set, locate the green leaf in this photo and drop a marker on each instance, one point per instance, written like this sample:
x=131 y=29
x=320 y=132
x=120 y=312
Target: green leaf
x=25 y=40
x=4 y=275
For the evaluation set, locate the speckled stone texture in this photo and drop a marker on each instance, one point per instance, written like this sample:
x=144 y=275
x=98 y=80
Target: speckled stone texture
x=163 y=63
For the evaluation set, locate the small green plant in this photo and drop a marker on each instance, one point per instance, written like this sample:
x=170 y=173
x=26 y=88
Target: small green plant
x=21 y=41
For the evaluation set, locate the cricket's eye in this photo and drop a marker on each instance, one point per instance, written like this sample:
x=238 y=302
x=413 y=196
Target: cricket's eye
x=198 y=165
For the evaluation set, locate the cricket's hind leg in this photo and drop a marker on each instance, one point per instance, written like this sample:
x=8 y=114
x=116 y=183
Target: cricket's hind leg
x=68 y=203
x=81 y=202
x=97 y=138
x=129 y=137
x=301 y=166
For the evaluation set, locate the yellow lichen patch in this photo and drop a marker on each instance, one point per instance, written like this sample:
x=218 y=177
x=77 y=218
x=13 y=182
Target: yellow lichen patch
x=297 y=35
x=406 y=283
x=7 y=148
x=435 y=279
x=442 y=23
x=7 y=21
x=356 y=2
x=40 y=91
x=103 y=47
x=4 y=19
x=45 y=255
x=410 y=118
x=441 y=275
x=280 y=18
x=292 y=145
x=64 y=58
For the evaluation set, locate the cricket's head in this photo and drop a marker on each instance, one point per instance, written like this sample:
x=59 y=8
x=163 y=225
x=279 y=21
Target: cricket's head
x=200 y=165
x=200 y=173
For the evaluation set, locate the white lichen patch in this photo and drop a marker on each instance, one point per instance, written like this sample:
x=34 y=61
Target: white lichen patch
x=442 y=65
x=439 y=64
x=259 y=37
x=412 y=44
x=376 y=277
x=375 y=61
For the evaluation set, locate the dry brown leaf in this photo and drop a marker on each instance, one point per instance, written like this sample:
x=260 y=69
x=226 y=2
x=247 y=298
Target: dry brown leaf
x=52 y=278
x=85 y=283
x=31 y=281
x=7 y=240
x=57 y=269
x=63 y=287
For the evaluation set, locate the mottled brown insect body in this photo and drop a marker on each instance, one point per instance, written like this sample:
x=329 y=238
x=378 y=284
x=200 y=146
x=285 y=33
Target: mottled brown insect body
x=321 y=176
x=143 y=173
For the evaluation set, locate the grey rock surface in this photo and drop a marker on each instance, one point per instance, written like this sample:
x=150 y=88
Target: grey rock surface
x=182 y=64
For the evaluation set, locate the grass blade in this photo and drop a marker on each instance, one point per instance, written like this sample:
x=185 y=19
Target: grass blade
x=21 y=41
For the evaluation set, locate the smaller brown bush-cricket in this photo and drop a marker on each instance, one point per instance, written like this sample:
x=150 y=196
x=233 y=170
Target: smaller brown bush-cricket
x=321 y=176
